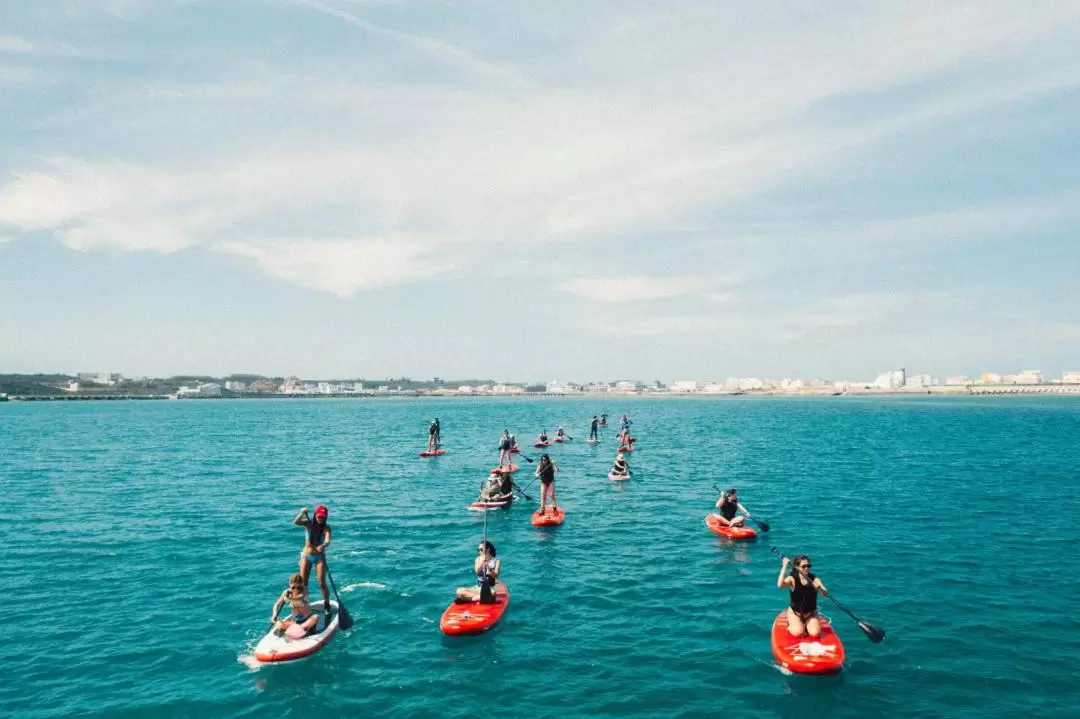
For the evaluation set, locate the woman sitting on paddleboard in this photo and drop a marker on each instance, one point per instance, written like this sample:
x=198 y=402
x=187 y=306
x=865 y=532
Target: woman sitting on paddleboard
x=560 y=433
x=542 y=437
x=499 y=488
x=804 y=586
x=729 y=507
x=316 y=540
x=487 y=569
x=546 y=472
x=297 y=595
x=620 y=467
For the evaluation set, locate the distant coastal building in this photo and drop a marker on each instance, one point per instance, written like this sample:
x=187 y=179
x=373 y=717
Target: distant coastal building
x=559 y=387
x=263 y=385
x=627 y=385
x=1070 y=377
x=1029 y=376
x=292 y=385
x=597 y=387
x=685 y=385
x=234 y=386
x=105 y=378
x=957 y=381
x=890 y=379
x=503 y=389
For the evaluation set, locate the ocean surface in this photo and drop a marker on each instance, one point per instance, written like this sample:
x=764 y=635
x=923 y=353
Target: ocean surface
x=144 y=544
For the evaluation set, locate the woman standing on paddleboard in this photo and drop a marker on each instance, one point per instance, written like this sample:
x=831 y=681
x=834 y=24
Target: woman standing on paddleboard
x=316 y=540
x=504 y=448
x=487 y=569
x=804 y=587
x=546 y=472
x=729 y=507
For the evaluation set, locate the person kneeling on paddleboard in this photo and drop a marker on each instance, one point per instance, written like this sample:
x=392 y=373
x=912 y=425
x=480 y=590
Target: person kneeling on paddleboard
x=560 y=433
x=542 y=437
x=316 y=540
x=620 y=467
x=804 y=587
x=302 y=614
x=487 y=569
x=546 y=472
x=513 y=442
x=729 y=507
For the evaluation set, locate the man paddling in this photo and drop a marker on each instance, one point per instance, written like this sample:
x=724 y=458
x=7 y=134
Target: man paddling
x=593 y=429
x=316 y=539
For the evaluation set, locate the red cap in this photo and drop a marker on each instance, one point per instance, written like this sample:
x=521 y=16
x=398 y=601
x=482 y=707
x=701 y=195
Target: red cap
x=321 y=510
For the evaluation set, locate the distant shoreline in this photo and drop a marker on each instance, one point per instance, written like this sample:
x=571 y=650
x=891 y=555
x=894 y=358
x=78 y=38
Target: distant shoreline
x=938 y=391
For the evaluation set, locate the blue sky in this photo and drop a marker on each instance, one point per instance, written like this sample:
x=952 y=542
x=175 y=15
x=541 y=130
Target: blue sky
x=523 y=191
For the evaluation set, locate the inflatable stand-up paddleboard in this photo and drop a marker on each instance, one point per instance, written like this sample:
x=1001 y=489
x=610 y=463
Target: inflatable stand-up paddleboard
x=436 y=453
x=803 y=655
x=506 y=468
x=562 y=439
x=619 y=477
x=274 y=649
x=592 y=441
x=481 y=506
x=550 y=517
x=713 y=523
x=474 y=617
x=541 y=444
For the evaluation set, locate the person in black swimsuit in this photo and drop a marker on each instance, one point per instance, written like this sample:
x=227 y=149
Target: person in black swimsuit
x=804 y=587
x=546 y=472
x=593 y=427
x=729 y=507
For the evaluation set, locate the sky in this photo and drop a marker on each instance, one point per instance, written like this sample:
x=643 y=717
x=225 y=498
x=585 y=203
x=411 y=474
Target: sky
x=527 y=191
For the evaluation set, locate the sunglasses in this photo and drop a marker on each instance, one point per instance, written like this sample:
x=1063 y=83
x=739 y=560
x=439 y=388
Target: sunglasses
x=804 y=566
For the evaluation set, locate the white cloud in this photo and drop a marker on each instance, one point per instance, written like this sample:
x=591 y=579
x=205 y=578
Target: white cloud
x=342 y=267
x=14 y=44
x=629 y=289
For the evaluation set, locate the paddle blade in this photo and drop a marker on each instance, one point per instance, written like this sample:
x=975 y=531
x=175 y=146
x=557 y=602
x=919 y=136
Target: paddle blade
x=764 y=526
x=344 y=618
x=874 y=634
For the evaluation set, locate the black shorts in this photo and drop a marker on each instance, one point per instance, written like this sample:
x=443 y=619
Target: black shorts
x=546 y=482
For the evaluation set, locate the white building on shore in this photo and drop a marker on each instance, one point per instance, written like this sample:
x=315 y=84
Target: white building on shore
x=685 y=385
x=1070 y=377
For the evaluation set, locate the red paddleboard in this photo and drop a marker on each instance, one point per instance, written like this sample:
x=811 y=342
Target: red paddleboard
x=713 y=523
x=619 y=477
x=474 y=617
x=803 y=655
x=505 y=468
x=562 y=439
x=626 y=449
x=549 y=518
x=436 y=453
x=541 y=444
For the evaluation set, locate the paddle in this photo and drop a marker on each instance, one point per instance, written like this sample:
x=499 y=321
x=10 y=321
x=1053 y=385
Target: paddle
x=344 y=618
x=763 y=525
x=873 y=633
x=520 y=490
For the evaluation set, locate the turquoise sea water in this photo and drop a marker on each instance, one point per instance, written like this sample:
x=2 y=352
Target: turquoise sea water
x=145 y=543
